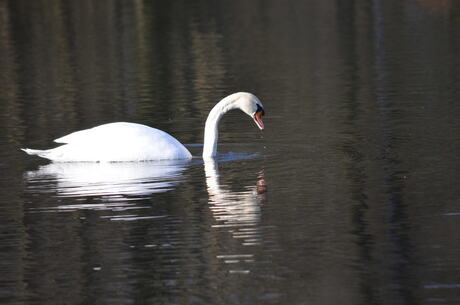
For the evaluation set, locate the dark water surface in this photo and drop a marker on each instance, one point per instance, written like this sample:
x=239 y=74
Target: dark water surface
x=350 y=196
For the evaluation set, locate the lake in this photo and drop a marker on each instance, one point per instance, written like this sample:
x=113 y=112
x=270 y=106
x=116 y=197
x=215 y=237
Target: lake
x=349 y=196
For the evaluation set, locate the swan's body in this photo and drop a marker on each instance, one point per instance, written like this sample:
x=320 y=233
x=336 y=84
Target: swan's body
x=117 y=142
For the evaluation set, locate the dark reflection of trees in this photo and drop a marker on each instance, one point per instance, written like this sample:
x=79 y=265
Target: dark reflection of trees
x=385 y=139
x=348 y=15
x=400 y=248
x=67 y=65
x=12 y=231
x=359 y=130
x=115 y=60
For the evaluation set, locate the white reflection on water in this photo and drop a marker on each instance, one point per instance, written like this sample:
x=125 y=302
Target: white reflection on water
x=237 y=213
x=116 y=186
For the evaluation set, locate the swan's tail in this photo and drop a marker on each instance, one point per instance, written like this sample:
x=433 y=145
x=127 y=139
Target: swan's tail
x=37 y=152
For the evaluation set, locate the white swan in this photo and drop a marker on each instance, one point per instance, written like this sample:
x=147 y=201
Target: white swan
x=135 y=142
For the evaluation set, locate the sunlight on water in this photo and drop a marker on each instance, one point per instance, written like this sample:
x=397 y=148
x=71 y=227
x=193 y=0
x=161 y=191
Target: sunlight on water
x=133 y=217
x=115 y=207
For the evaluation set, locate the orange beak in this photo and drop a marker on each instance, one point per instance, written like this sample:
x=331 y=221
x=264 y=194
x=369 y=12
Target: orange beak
x=258 y=119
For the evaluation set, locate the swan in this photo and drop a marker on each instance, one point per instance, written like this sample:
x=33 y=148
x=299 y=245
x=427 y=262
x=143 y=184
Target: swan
x=122 y=141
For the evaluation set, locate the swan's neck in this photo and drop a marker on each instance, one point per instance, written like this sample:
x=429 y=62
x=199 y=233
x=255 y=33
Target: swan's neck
x=211 y=132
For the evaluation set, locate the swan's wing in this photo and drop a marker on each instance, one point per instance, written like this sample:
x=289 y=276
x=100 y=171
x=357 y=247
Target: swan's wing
x=102 y=132
x=119 y=141
x=114 y=132
x=74 y=136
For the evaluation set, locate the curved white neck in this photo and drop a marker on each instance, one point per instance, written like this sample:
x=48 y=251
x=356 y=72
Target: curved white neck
x=211 y=132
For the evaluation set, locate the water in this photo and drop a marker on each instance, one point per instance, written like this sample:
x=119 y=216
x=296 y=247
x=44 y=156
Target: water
x=350 y=195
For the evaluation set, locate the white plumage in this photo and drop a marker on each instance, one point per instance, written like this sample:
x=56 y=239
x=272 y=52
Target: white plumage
x=119 y=142
x=115 y=142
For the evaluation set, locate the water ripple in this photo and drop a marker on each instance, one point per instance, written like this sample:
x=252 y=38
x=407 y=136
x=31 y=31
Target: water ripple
x=112 y=181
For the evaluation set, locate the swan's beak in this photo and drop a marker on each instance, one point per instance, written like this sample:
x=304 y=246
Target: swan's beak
x=258 y=119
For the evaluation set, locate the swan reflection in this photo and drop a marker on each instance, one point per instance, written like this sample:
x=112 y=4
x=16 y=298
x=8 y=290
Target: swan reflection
x=80 y=179
x=236 y=212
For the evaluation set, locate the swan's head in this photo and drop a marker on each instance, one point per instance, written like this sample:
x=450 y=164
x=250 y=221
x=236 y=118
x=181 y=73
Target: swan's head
x=252 y=106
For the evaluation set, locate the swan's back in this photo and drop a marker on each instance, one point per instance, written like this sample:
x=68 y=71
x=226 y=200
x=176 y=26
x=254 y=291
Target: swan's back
x=116 y=142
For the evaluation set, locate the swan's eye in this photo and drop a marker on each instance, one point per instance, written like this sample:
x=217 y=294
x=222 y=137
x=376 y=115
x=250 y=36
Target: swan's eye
x=260 y=109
